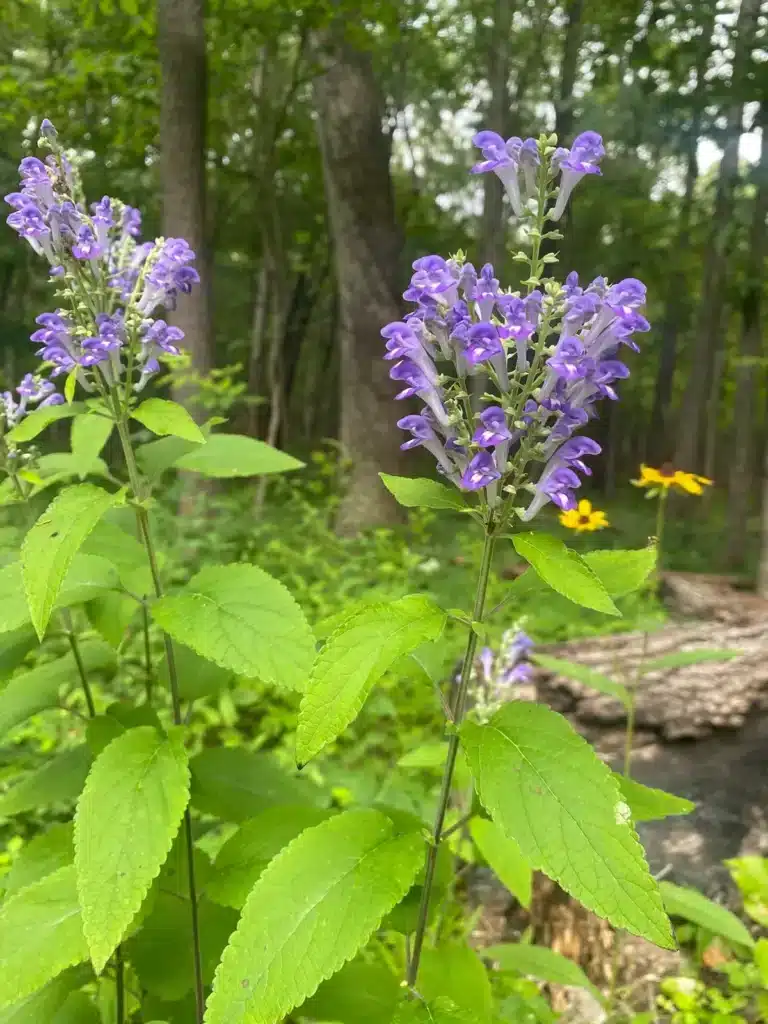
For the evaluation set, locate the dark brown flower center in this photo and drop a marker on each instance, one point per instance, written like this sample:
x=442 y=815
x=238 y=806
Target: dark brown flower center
x=667 y=470
x=584 y=520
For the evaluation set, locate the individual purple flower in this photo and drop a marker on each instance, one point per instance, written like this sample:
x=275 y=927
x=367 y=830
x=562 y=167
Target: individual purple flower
x=486 y=292
x=158 y=336
x=435 y=278
x=130 y=222
x=482 y=343
x=493 y=429
x=529 y=162
x=568 y=361
x=480 y=472
x=35 y=180
x=579 y=309
x=403 y=342
x=29 y=222
x=467 y=281
x=606 y=372
x=571 y=285
x=103 y=220
x=571 y=453
x=533 y=304
x=168 y=275
x=503 y=159
x=583 y=158
x=557 y=486
x=87 y=246
x=425 y=436
x=418 y=384
x=626 y=296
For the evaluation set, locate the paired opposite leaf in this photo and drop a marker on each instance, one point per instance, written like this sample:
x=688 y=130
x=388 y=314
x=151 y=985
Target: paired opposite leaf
x=128 y=814
x=649 y=804
x=242 y=619
x=36 y=422
x=564 y=571
x=504 y=857
x=621 y=572
x=694 y=906
x=53 y=542
x=168 y=418
x=587 y=676
x=311 y=910
x=420 y=492
x=232 y=455
x=354 y=659
x=541 y=963
x=90 y=432
x=547 y=789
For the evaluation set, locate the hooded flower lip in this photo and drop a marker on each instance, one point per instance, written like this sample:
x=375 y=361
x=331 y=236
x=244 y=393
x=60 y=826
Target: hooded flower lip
x=582 y=158
x=584 y=518
x=493 y=429
x=480 y=472
x=482 y=343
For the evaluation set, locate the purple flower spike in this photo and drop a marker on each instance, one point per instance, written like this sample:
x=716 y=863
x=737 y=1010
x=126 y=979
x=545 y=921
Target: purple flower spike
x=482 y=343
x=583 y=158
x=486 y=292
x=503 y=159
x=480 y=472
x=494 y=427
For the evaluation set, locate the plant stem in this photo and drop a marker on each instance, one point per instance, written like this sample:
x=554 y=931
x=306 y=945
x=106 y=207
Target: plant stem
x=661 y=512
x=629 y=735
x=66 y=618
x=450 y=764
x=147 y=653
x=146 y=535
x=119 y=987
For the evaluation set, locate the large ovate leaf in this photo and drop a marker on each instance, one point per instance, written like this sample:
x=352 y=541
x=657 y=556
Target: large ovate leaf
x=504 y=857
x=53 y=542
x=311 y=910
x=168 y=418
x=353 y=660
x=126 y=820
x=584 y=674
x=454 y=971
x=361 y=993
x=36 y=422
x=692 y=905
x=621 y=572
x=420 y=492
x=244 y=620
x=41 y=934
x=649 y=804
x=40 y=857
x=44 y=1006
x=564 y=571
x=244 y=856
x=33 y=691
x=236 y=784
x=156 y=457
x=546 y=788
x=541 y=963
x=680 y=659
x=90 y=433
x=59 y=780
x=232 y=455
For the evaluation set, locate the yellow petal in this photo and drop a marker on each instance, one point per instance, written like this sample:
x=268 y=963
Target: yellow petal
x=585 y=507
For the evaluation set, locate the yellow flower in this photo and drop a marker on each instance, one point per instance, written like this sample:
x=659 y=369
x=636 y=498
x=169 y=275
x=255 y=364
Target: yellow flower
x=667 y=477
x=584 y=518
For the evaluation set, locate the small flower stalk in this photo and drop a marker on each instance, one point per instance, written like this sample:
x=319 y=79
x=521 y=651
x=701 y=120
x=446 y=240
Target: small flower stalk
x=500 y=676
x=550 y=352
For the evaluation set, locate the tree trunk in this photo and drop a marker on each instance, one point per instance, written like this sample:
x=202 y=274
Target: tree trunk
x=367 y=248
x=711 y=309
x=183 y=111
x=571 y=45
x=748 y=372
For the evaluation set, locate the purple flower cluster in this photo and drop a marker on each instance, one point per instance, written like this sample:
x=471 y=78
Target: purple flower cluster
x=121 y=282
x=31 y=391
x=496 y=674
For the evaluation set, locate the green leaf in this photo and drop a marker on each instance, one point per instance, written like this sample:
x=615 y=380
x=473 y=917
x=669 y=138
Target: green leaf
x=316 y=904
x=679 y=659
x=649 y=804
x=156 y=457
x=70 y=384
x=125 y=552
x=441 y=1011
x=33 y=691
x=128 y=814
x=750 y=873
x=79 y=1008
x=14 y=647
x=361 y=993
x=36 y=422
x=42 y=1006
x=59 y=780
x=352 y=662
x=587 y=676
x=90 y=432
x=455 y=972
x=53 y=542
x=235 y=784
x=40 y=857
x=621 y=572
x=564 y=571
x=111 y=615
x=168 y=418
x=14 y=611
x=761 y=960
x=543 y=964
x=694 y=906
x=242 y=619
x=504 y=857
x=231 y=455
x=428 y=755
x=420 y=492
x=41 y=934
x=198 y=677
x=244 y=856
x=546 y=788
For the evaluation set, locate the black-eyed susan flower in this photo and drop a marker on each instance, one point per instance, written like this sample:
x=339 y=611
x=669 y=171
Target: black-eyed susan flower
x=584 y=518
x=667 y=476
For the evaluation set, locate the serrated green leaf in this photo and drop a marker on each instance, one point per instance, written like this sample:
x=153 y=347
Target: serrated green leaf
x=41 y=934
x=36 y=422
x=168 y=418
x=691 y=905
x=649 y=804
x=126 y=554
x=33 y=691
x=420 y=492
x=543 y=964
x=53 y=542
x=197 y=676
x=352 y=662
x=119 y=718
x=361 y=993
x=244 y=856
x=90 y=432
x=59 y=466
x=583 y=674
x=312 y=909
x=233 y=455
x=504 y=857
x=43 y=1006
x=679 y=659
x=622 y=572
x=244 y=620
x=564 y=571
x=546 y=788
x=236 y=784
x=454 y=971
x=59 y=780
x=126 y=820
x=40 y=857
x=156 y=457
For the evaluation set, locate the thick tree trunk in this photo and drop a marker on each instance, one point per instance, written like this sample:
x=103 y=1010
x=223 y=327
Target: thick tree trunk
x=748 y=373
x=712 y=304
x=367 y=248
x=183 y=109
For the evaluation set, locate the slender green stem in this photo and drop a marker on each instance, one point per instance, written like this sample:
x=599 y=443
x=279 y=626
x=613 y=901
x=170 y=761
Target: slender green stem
x=119 y=986
x=629 y=735
x=450 y=763
x=661 y=516
x=66 y=618
x=148 y=675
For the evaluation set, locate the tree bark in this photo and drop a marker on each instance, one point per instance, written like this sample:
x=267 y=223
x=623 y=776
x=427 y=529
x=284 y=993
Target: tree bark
x=367 y=249
x=570 y=61
x=183 y=114
x=712 y=304
x=749 y=376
